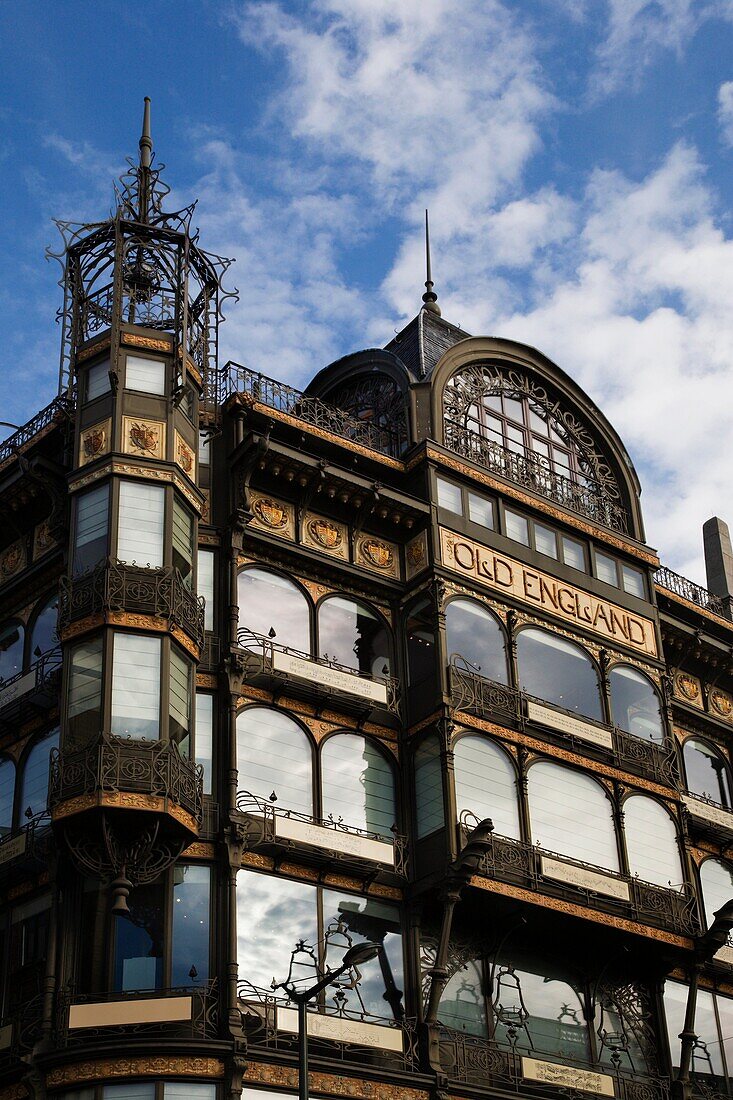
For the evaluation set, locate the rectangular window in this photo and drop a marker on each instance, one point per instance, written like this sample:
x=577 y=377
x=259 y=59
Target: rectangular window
x=190 y=925
x=136 y=686
x=545 y=540
x=204 y=742
x=204 y=449
x=84 y=697
x=182 y=539
x=606 y=569
x=145 y=375
x=98 y=380
x=517 y=527
x=141 y=523
x=90 y=529
x=139 y=941
x=449 y=496
x=480 y=510
x=633 y=581
x=180 y=702
x=205 y=585
x=573 y=553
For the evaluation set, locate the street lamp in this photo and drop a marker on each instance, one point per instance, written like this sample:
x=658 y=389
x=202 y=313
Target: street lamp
x=356 y=955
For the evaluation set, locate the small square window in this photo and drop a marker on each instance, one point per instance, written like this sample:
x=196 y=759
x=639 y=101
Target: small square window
x=573 y=553
x=544 y=540
x=98 y=380
x=145 y=375
x=480 y=510
x=449 y=497
x=517 y=527
x=606 y=569
x=633 y=581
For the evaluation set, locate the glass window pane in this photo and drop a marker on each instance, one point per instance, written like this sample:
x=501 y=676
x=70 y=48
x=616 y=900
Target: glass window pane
x=90 y=530
x=139 y=940
x=558 y=672
x=462 y=1004
x=560 y=798
x=606 y=569
x=205 y=585
x=428 y=788
x=182 y=538
x=189 y=1090
x=34 y=795
x=11 y=650
x=272 y=606
x=146 y=375
x=140 y=526
x=707 y=774
x=716 y=879
x=449 y=496
x=517 y=527
x=274 y=757
x=84 y=698
x=420 y=631
x=537 y=423
x=514 y=409
x=204 y=448
x=179 y=693
x=633 y=581
x=139 y=1090
x=352 y=635
x=136 y=686
x=98 y=380
x=651 y=842
x=480 y=510
x=190 y=920
x=378 y=922
x=486 y=785
x=555 y=1023
x=7 y=792
x=635 y=705
x=573 y=553
x=475 y=639
x=273 y=914
x=45 y=629
x=205 y=736
x=357 y=784
x=544 y=540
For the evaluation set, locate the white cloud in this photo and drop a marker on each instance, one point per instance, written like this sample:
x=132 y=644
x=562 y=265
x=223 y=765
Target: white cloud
x=725 y=111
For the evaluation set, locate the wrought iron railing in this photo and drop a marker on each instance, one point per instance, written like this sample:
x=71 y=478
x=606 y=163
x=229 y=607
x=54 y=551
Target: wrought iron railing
x=689 y=590
x=44 y=674
x=29 y=841
x=115 y=586
x=587 y=498
x=260 y=828
x=203 y=1024
x=260 y=1007
x=114 y=764
x=276 y=395
x=474 y=694
x=507 y=860
x=258 y=657
x=59 y=409
x=471 y=1060
x=22 y=1028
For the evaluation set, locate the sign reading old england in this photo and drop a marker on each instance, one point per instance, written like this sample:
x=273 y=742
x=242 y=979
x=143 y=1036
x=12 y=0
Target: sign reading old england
x=503 y=574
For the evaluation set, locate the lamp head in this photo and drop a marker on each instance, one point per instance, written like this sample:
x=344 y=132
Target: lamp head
x=360 y=953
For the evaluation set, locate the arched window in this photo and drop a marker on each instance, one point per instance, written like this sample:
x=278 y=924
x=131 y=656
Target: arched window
x=651 y=842
x=7 y=793
x=572 y=815
x=706 y=771
x=45 y=633
x=357 y=784
x=635 y=705
x=474 y=634
x=34 y=795
x=462 y=1004
x=428 y=787
x=353 y=635
x=553 y=1012
x=274 y=607
x=558 y=671
x=716 y=880
x=486 y=784
x=11 y=650
x=274 y=756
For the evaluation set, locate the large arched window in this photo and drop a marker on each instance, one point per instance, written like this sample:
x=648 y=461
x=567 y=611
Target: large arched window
x=7 y=793
x=274 y=607
x=34 y=796
x=558 y=671
x=462 y=1004
x=474 y=634
x=486 y=784
x=351 y=634
x=572 y=815
x=716 y=880
x=45 y=635
x=11 y=650
x=554 y=1022
x=428 y=787
x=706 y=771
x=635 y=705
x=651 y=842
x=274 y=757
x=357 y=784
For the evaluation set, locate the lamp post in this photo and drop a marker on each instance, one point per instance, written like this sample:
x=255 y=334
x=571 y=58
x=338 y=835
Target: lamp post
x=359 y=953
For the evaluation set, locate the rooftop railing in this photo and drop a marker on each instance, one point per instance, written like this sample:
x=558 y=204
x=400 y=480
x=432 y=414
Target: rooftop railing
x=59 y=409
x=689 y=590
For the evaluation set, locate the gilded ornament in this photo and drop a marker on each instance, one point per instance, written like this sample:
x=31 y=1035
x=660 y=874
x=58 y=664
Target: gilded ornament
x=93 y=443
x=11 y=560
x=416 y=553
x=325 y=534
x=184 y=457
x=687 y=685
x=271 y=513
x=378 y=553
x=721 y=703
x=144 y=438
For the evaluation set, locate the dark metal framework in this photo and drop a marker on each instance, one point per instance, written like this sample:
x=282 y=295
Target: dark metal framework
x=689 y=590
x=376 y=399
x=204 y=1022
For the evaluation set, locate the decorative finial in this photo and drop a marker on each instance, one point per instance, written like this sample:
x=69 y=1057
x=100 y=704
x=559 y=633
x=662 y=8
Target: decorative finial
x=146 y=160
x=430 y=298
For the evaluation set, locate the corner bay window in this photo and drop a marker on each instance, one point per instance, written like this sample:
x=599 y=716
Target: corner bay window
x=141 y=524
x=136 y=686
x=91 y=528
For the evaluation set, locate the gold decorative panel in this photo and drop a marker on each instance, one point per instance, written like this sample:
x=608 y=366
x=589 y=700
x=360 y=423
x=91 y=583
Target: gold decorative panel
x=274 y=516
x=416 y=555
x=185 y=456
x=688 y=688
x=95 y=442
x=12 y=560
x=325 y=535
x=43 y=540
x=378 y=555
x=145 y=438
x=720 y=703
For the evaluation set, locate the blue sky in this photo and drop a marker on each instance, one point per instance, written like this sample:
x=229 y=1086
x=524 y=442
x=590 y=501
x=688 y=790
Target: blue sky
x=576 y=156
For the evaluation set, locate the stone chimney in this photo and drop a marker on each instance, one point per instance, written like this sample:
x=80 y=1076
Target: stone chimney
x=718 y=559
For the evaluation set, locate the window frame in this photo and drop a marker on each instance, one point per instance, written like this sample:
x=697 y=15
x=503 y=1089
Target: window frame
x=466 y=492
x=152 y=358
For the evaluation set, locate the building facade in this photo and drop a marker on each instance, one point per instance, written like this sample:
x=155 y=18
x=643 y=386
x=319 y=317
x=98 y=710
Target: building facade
x=387 y=660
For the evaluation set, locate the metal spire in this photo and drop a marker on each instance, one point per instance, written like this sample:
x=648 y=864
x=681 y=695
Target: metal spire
x=430 y=298
x=146 y=159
